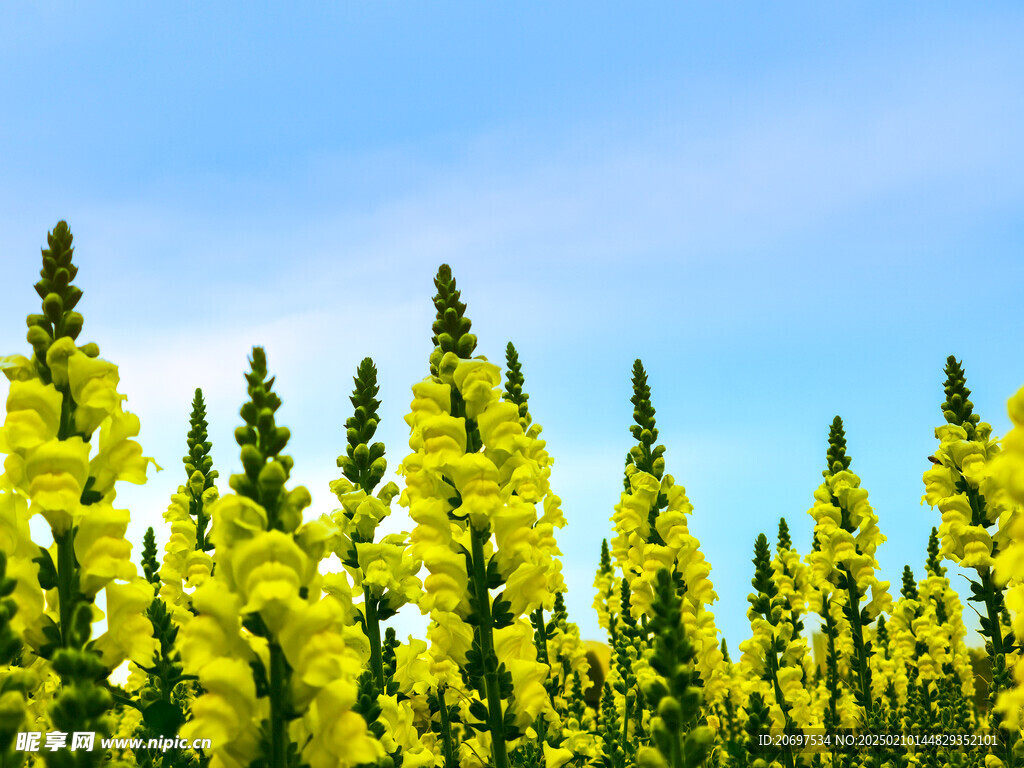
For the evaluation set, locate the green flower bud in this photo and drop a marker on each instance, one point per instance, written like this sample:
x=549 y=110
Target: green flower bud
x=53 y=307
x=272 y=477
x=252 y=460
x=648 y=757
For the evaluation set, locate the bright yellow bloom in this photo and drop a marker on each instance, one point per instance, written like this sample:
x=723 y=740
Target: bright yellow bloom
x=313 y=643
x=33 y=416
x=93 y=384
x=412 y=668
x=556 y=758
x=56 y=472
x=102 y=550
x=235 y=519
x=444 y=440
x=129 y=634
x=119 y=457
x=17 y=368
x=514 y=648
x=476 y=381
x=450 y=637
x=269 y=570
x=16 y=544
x=476 y=479
x=527 y=588
x=339 y=736
x=500 y=430
x=226 y=712
x=445 y=587
x=215 y=632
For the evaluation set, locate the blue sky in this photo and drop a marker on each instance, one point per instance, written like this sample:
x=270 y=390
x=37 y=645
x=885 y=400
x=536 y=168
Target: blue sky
x=787 y=212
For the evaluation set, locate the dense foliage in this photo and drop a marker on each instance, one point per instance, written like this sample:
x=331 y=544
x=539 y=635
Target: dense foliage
x=241 y=634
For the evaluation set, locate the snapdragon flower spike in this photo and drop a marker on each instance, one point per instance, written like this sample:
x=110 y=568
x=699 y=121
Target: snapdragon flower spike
x=473 y=485
x=514 y=381
x=773 y=659
x=386 y=572
x=934 y=562
x=451 y=328
x=557 y=640
x=69 y=442
x=1008 y=470
x=164 y=695
x=364 y=464
x=606 y=599
x=267 y=645
x=918 y=646
x=977 y=522
x=846 y=528
x=265 y=468
x=199 y=471
x=60 y=297
x=783 y=539
x=187 y=562
x=652 y=532
x=150 y=566
x=957 y=408
x=674 y=696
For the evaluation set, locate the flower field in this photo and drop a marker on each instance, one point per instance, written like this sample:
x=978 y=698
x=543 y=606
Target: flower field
x=245 y=649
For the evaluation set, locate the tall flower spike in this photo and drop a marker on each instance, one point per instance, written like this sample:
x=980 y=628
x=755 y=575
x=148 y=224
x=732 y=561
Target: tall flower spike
x=164 y=695
x=977 y=523
x=773 y=656
x=844 y=566
x=473 y=483
x=60 y=297
x=785 y=542
x=384 y=571
x=363 y=464
x=199 y=468
x=187 y=561
x=1009 y=566
x=266 y=470
x=674 y=695
x=267 y=645
x=68 y=441
x=934 y=562
x=514 y=381
x=835 y=457
x=909 y=588
x=647 y=457
x=957 y=408
x=451 y=328
x=150 y=566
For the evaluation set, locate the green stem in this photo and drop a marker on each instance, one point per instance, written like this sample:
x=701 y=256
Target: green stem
x=373 y=635
x=625 y=716
x=490 y=659
x=833 y=661
x=542 y=632
x=993 y=612
x=998 y=654
x=859 y=650
x=278 y=726
x=201 y=522
x=676 y=750
x=773 y=668
x=65 y=582
x=446 y=731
